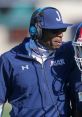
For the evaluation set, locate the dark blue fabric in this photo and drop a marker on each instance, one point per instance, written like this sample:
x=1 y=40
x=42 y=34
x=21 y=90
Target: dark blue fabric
x=36 y=90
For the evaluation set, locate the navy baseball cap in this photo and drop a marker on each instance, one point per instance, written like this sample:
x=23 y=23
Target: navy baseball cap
x=52 y=19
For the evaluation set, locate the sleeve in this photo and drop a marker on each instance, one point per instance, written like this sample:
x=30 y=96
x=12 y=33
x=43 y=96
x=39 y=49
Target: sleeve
x=4 y=79
x=1 y=109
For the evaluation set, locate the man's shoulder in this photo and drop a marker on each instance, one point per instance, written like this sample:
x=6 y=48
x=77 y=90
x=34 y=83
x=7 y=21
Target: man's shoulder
x=67 y=44
x=18 y=49
x=9 y=54
x=66 y=49
x=12 y=50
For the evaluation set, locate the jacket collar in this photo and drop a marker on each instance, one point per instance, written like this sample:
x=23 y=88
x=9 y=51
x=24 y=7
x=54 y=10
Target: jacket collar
x=25 y=48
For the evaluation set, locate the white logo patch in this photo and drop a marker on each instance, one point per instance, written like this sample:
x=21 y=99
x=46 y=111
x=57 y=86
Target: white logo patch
x=57 y=62
x=25 y=67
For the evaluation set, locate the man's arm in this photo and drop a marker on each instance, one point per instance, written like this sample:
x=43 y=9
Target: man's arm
x=1 y=109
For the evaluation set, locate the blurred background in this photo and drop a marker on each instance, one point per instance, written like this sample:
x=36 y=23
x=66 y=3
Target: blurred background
x=15 y=18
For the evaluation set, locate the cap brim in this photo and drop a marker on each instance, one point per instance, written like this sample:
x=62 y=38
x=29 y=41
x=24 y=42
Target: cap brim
x=57 y=26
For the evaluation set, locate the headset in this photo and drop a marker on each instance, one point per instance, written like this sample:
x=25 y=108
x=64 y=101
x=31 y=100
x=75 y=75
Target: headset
x=37 y=20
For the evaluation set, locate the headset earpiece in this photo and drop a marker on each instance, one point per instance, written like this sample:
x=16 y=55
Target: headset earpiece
x=33 y=30
x=35 y=27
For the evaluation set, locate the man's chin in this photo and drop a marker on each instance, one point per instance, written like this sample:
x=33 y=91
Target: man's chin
x=55 y=47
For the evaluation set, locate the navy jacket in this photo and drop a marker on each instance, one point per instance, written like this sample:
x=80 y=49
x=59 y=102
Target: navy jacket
x=40 y=90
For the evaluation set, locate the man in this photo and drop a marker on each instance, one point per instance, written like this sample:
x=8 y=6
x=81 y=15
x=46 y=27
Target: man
x=35 y=75
x=77 y=81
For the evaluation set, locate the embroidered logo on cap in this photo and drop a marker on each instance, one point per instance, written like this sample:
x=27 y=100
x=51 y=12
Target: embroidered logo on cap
x=59 y=17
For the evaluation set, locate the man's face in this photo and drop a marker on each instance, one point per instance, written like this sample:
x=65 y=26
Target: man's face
x=52 y=39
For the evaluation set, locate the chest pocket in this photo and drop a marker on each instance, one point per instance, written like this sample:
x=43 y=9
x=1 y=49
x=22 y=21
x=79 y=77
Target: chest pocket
x=25 y=87
x=24 y=75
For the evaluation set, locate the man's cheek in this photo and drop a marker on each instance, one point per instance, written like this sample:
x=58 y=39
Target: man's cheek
x=56 y=45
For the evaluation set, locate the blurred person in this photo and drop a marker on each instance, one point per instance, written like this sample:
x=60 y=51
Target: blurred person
x=77 y=82
x=35 y=75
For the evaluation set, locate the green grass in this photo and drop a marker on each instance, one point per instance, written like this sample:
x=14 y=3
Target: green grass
x=6 y=111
